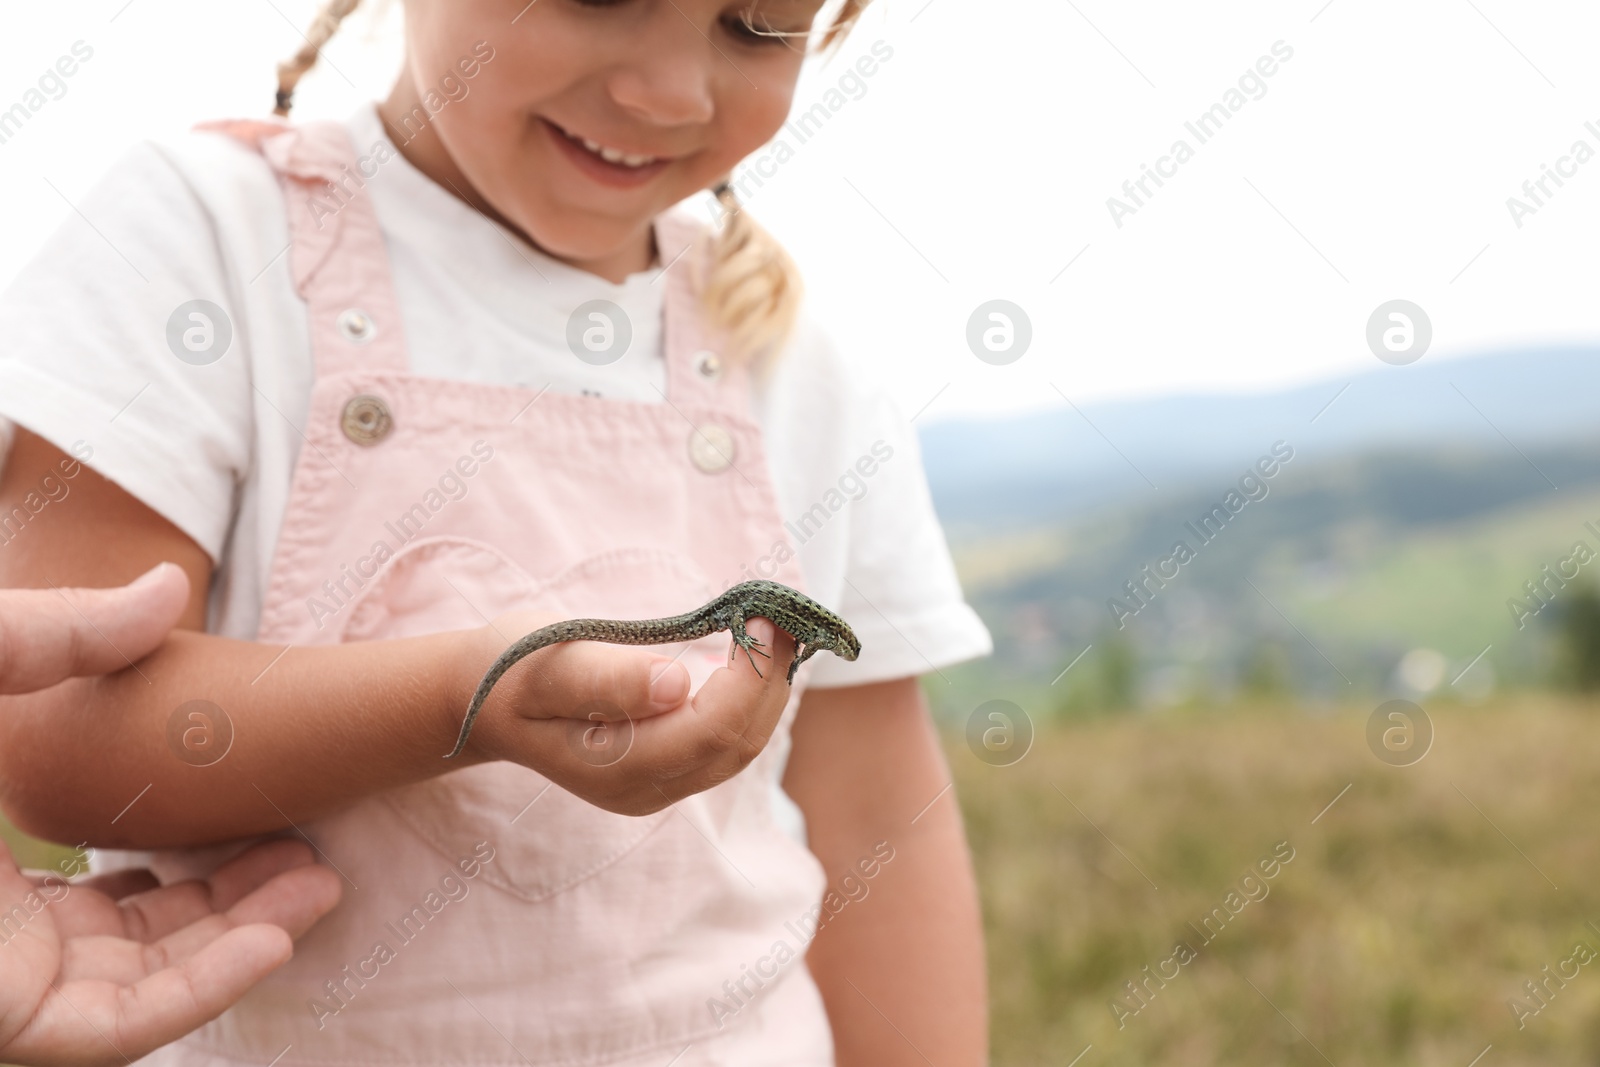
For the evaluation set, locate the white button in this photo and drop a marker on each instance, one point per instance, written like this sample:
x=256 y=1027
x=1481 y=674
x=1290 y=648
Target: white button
x=357 y=326
x=709 y=364
x=711 y=448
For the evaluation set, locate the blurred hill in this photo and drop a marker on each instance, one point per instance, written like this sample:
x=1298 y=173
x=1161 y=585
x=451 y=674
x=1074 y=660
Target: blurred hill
x=1379 y=559
x=992 y=475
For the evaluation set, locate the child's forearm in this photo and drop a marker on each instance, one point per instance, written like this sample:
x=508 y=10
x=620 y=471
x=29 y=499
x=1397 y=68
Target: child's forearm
x=91 y=761
x=103 y=761
x=902 y=974
x=901 y=965
x=106 y=760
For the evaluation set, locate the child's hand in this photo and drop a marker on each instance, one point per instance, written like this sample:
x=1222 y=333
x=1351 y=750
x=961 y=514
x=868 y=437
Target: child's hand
x=657 y=746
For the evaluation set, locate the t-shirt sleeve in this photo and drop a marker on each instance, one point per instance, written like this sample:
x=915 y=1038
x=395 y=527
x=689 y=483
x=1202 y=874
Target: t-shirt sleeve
x=115 y=346
x=899 y=592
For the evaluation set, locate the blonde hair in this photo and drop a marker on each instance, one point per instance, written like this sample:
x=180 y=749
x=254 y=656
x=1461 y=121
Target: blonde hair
x=750 y=287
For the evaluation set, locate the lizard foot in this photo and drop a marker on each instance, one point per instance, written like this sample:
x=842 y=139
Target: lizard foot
x=750 y=645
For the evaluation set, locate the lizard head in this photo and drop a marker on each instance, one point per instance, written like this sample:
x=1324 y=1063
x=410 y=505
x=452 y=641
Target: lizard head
x=819 y=629
x=845 y=644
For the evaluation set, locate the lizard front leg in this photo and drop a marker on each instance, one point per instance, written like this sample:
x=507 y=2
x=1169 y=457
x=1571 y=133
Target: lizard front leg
x=802 y=652
x=742 y=639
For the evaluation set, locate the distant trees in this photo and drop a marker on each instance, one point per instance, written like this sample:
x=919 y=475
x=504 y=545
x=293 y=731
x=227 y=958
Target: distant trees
x=1106 y=681
x=1578 y=638
x=1268 y=672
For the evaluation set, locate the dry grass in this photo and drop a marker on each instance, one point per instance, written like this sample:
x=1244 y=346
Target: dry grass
x=1396 y=935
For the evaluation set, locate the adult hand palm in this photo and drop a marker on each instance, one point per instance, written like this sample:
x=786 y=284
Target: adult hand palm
x=105 y=970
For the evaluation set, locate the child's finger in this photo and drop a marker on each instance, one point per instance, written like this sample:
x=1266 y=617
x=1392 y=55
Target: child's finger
x=730 y=720
x=50 y=635
x=707 y=741
x=582 y=679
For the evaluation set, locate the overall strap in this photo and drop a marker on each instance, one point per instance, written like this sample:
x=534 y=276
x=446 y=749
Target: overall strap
x=700 y=370
x=338 y=257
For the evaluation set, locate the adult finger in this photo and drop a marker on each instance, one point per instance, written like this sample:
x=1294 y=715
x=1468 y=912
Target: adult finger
x=292 y=901
x=255 y=867
x=271 y=881
x=50 y=635
x=94 y=1021
x=114 y=885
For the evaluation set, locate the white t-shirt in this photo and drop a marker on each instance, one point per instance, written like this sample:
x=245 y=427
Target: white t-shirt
x=84 y=357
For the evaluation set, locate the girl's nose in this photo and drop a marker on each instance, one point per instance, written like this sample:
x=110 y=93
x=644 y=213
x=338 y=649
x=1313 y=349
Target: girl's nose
x=669 y=83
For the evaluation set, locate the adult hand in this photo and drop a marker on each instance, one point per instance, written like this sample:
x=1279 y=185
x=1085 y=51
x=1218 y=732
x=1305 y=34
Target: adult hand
x=105 y=970
x=547 y=714
x=50 y=635
x=108 y=969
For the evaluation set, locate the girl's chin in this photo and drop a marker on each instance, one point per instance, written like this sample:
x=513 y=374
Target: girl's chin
x=589 y=242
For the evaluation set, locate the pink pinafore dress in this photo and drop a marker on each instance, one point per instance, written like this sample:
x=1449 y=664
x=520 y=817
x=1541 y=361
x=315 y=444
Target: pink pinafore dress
x=490 y=917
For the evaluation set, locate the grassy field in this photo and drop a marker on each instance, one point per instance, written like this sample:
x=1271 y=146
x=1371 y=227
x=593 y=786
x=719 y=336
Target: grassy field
x=1415 y=905
x=1413 y=909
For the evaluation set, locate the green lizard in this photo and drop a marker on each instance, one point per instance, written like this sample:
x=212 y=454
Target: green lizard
x=813 y=627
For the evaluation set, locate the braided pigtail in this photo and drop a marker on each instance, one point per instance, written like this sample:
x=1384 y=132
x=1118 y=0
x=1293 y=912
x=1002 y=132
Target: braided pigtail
x=752 y=288
x=845 y=21
x=323 y=27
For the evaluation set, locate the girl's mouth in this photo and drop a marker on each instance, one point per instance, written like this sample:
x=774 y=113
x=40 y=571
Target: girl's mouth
x=605 y=164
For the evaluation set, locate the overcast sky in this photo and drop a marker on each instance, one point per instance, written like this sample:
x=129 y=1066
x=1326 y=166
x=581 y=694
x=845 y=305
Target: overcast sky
x=975 y=164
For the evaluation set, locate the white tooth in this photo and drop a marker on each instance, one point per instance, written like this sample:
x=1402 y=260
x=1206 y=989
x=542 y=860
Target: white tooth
x=611 y=155
x=593 y=146
x=637 y=161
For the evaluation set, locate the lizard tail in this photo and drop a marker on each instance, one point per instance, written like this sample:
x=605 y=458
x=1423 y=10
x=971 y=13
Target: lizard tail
x=527 y=646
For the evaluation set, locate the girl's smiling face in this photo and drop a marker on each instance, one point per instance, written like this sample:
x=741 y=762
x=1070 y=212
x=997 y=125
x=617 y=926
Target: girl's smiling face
x=593 y=116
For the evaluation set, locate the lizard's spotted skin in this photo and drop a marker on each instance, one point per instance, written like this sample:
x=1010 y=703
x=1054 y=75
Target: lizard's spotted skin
x=813 y=627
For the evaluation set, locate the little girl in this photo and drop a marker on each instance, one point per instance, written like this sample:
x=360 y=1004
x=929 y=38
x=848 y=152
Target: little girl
x=398 y=390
